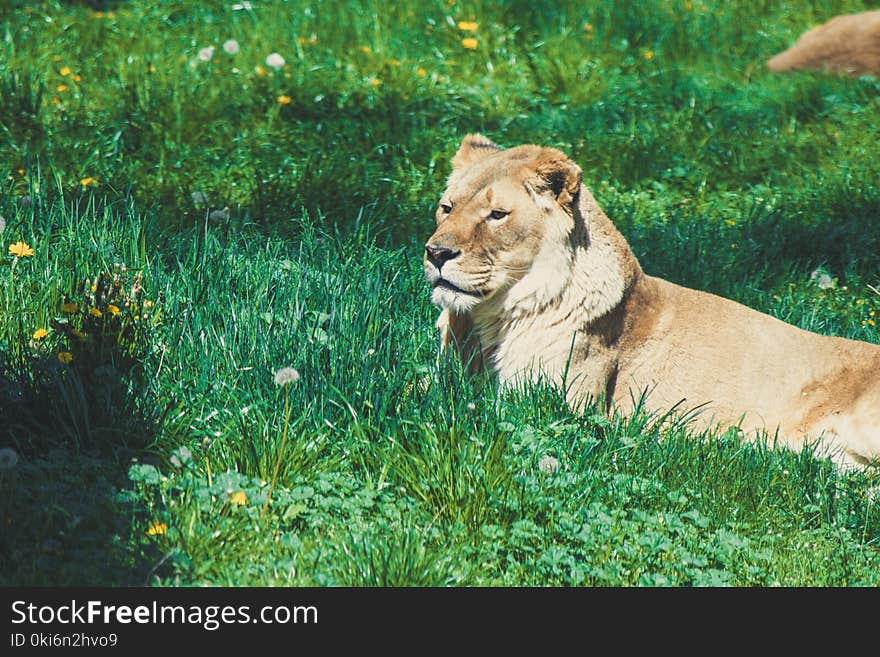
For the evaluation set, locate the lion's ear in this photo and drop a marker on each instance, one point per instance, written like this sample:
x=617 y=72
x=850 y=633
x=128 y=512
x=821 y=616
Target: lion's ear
x=473 y=148
x=558 y=176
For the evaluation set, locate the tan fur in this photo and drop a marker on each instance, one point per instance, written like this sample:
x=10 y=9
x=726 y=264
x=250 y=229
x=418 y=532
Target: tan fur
x=846 y=44
x=553 y=291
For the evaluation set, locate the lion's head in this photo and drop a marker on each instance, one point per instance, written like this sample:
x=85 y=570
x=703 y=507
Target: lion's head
x=506 y=227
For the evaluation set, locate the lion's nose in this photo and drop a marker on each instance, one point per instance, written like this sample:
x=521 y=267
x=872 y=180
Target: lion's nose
x=438 y=255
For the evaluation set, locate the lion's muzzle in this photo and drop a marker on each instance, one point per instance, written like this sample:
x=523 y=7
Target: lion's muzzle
x=439 y=255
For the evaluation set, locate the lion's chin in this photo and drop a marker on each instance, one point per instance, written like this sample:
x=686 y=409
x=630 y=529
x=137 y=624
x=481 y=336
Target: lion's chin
x=454 y=299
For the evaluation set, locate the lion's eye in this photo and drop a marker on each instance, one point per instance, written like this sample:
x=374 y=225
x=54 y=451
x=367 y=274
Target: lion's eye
x=498 y=214
x=446 y=208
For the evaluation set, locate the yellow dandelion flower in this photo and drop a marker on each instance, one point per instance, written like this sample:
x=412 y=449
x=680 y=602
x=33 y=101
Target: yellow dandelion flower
x=88 y=180
x=148 y=304
x=421 y=72
x=375 y=82
x=365 y=49
x=468 y=26
x=20 y=172
x=871 y=322
x=75 y=77
x=65 y=356
x=157 y=529
x=56 y=101
x=260 y=71
x=113 y=309
x=94 y=312
x=61 y=88
x=730 y=222
x=69 y=307
x=470 y=43
x=588 y=27
x=284 y=100
x=238 y=498
x=20 y=250
x=648 y=54
x=65 y=71
x=40 y=333
x=688 y=5
x=393 y=62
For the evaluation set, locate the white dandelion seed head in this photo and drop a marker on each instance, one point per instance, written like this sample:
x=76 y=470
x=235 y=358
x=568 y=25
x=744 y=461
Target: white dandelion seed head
x=823 y=281
x=219 y=215
x=548 y=464
x=8 y=458
x=205 y=54
x=471 y=406
x=286 y=375
x=275 y=61
x=239 y=6
x=199 y=198
x=231 y=47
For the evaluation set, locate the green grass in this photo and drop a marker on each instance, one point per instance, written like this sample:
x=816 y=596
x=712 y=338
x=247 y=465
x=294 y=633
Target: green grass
x=302 y=248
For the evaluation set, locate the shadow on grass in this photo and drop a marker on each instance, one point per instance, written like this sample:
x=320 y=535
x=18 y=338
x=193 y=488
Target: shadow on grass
x=840 y=232
x=67 y=517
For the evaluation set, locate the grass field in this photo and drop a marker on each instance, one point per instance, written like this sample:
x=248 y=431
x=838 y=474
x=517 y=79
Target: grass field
x=197 y=214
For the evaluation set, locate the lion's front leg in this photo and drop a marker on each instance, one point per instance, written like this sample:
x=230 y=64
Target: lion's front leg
x=457 y=332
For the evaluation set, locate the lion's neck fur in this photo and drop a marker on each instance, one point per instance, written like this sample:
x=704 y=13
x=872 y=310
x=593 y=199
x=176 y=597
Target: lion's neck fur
x=576 y=280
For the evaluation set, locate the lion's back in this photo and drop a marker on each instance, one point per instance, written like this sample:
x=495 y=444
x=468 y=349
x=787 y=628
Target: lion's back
x=847 y=44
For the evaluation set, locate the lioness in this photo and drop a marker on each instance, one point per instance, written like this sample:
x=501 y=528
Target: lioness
x=847 y=44
x=535 y=281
